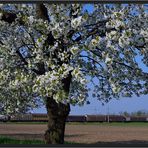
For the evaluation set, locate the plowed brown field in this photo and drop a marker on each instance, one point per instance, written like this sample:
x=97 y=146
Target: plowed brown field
x=80 y=133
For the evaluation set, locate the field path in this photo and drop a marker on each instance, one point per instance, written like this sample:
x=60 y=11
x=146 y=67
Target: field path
x=80 y=133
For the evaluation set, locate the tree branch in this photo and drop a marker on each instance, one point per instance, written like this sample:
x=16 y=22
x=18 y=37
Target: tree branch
x=102 y=22
x=42 y=12
x=8 y=17
x=84 y=56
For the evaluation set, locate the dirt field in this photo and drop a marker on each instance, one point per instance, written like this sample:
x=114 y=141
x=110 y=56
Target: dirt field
x=80 y=133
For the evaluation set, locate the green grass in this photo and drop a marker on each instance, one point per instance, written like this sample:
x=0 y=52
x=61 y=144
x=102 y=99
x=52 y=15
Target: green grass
x=90 y=123
x=8 y=140
x=110 y=124
x=24 y=122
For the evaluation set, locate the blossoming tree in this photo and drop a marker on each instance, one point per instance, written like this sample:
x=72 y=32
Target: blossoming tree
x=52 y=51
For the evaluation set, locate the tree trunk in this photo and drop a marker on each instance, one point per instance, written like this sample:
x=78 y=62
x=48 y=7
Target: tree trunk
x=57 y=114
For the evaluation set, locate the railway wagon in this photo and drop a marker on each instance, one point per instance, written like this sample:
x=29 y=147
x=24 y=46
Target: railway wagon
x=21 y=117
x=39 y=117
x=70 y=118
x=115 y=118
x=138 y=119
x=76 y=118
x=4 y=118
x=35 y=117
x=95 y=118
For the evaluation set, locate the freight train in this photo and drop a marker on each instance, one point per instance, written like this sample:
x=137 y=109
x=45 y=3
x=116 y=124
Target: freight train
x=78 y=118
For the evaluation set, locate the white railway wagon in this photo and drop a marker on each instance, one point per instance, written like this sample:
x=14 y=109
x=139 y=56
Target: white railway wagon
x=22 y=117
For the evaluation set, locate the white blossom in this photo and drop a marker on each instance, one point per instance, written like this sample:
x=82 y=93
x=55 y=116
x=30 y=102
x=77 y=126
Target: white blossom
x=74 y=50
x=94 y=42
x=31 y=19
x=115 y=88
x=108 y=60
x=38 y=54
x=76 y=22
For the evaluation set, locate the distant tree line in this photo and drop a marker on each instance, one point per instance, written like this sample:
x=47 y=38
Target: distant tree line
x=136 y=113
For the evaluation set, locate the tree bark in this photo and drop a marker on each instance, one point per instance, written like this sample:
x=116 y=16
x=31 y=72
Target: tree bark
x=57 y=114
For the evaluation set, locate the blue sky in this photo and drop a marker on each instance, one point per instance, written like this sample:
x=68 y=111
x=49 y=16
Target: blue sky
x=114 y=106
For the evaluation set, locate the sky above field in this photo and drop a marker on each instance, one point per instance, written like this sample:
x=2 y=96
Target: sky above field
x=114 y=106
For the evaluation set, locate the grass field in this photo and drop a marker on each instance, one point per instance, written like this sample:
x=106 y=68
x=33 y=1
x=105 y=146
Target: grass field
x=8 y=140
x=89 y=123
x=110 y=124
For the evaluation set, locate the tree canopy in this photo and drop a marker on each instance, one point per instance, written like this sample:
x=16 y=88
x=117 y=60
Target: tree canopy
x=42 y=46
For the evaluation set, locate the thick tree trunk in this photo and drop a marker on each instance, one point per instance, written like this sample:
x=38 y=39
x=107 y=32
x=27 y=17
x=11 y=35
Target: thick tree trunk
x=57 y=114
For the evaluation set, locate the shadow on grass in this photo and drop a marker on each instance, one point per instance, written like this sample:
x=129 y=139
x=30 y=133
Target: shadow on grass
x=24 y=136
x=36 y=136
x=75 y=135
x=7 y=140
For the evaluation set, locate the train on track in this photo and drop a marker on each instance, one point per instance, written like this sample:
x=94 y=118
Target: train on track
x=78 y=118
